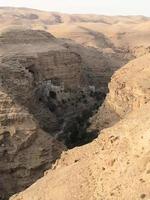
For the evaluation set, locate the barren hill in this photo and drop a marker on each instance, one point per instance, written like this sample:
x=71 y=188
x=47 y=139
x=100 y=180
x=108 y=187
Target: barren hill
x=110 y=41
x=93 y=30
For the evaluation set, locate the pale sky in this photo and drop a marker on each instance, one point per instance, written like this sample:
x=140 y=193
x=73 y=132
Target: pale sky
x=108 y=7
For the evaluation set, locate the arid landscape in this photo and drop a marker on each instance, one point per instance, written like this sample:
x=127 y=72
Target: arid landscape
x=74 y=106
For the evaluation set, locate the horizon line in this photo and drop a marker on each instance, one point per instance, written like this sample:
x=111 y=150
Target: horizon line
x=69 y=13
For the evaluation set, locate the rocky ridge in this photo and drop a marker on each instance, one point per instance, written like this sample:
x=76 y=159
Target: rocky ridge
x=128 y=91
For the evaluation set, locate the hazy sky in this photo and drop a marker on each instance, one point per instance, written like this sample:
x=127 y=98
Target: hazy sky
x=109 y=7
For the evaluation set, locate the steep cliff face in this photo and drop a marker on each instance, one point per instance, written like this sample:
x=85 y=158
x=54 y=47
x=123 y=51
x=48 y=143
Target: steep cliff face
x=100 y=66
x=25 y=149
x=27 y=118
x=128 y=91
x=24 y=36
x=44 y=94
x=117 y=164
x=38 y=64
x=63 y=65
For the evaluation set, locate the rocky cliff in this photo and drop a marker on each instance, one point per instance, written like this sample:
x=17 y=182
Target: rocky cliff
x=25 y=149
x=116 y=165
x=128 y=91
x=34 y=71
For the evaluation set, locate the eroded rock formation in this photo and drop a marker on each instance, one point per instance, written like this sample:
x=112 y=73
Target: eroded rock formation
x=116 y=165
x=128 y=91
x=25 y=149
x=49 y=88
x=44 y=94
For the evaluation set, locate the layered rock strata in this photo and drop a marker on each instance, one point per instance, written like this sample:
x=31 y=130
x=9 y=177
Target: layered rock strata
x=117 y=164
x=128 y=91
x=44 y=94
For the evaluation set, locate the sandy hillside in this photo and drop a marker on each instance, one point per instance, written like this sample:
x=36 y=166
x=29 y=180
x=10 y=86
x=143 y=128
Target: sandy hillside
x=105 y=43
x=99 y=31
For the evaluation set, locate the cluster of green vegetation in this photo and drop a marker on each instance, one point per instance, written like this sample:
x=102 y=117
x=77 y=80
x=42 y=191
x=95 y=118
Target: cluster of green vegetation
x=99 y=96
x=76 y=130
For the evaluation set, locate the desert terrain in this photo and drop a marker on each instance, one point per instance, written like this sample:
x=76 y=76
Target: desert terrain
x=74 y=106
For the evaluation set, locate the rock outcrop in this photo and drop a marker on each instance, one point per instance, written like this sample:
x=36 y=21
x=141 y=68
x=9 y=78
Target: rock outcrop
x=26 y=150
x=128 y=91
x=117 y=164
x=44 y=94
x=32 y=62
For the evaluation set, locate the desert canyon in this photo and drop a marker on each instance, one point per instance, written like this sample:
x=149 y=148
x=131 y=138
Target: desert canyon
x=74 y=106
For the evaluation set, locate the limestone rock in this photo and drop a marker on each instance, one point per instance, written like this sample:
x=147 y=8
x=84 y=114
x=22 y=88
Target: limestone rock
x=26 y=150
x=128 y=91
x=32 y=63
x=43 y=88
x=117 y=164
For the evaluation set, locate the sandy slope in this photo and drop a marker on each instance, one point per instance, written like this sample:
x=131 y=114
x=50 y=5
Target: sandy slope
x=105 y=43
x=92 y=30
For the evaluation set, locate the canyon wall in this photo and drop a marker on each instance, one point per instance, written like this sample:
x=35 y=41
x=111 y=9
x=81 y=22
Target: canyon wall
x=116 y=165
x=27 y=147
x=128 y=91
x=49 y=88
